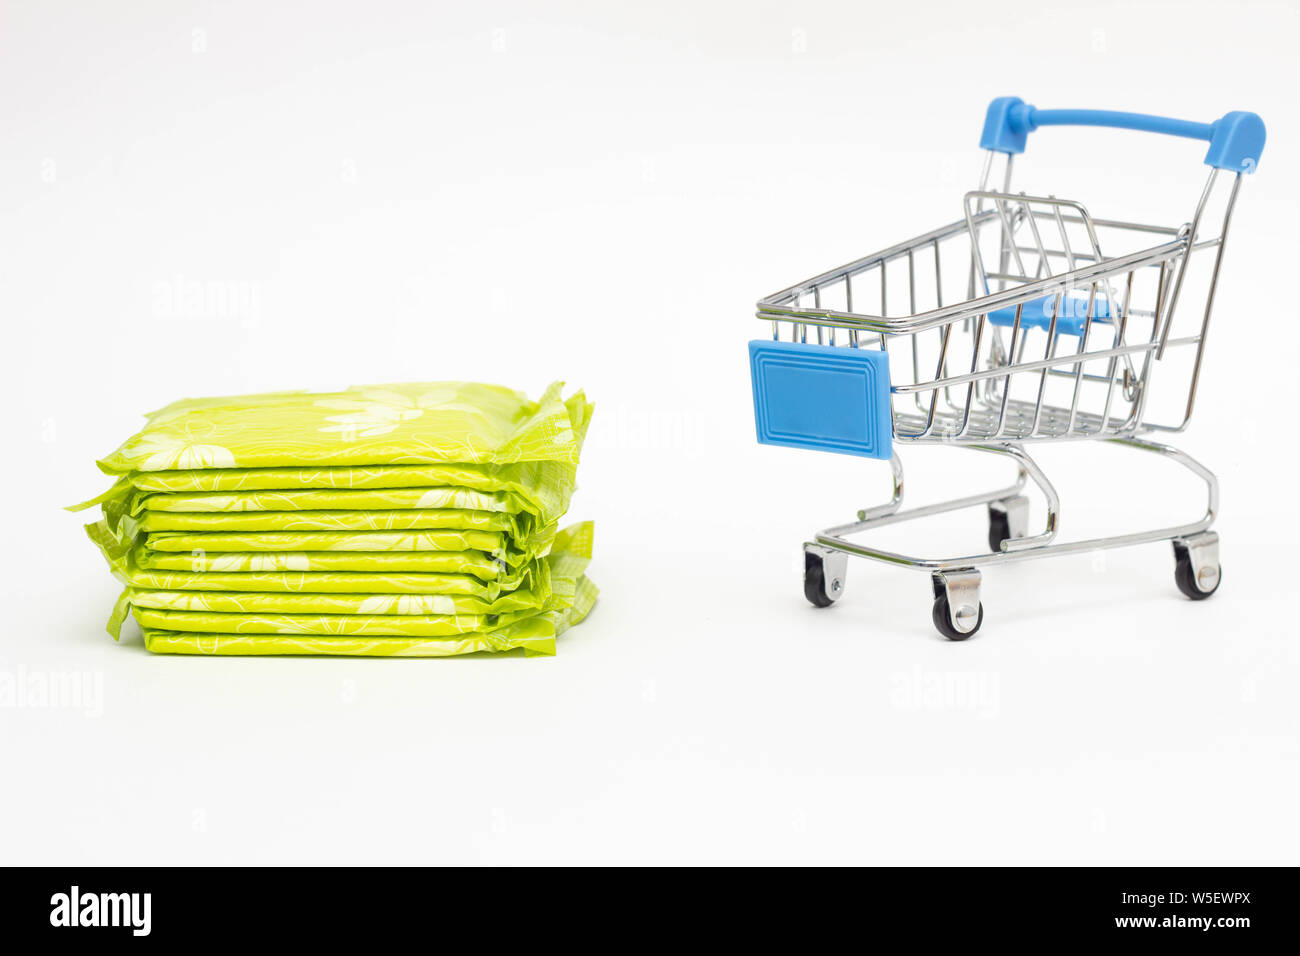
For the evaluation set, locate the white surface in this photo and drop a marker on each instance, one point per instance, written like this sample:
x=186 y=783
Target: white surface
x=208 y=198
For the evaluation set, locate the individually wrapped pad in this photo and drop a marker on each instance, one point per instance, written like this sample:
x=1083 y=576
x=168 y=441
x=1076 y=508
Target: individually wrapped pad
x=326 y=521
x=121 y=559
x=382 y=499
x=546 y=486
x=344 y=541
x=418 y=423
x=480 y=565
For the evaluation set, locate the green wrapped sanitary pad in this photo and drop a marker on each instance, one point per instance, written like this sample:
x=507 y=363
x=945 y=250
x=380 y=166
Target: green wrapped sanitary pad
x=418 y=423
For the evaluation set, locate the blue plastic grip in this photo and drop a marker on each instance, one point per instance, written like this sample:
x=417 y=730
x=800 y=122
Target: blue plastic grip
x=1236 y=139
x=822 y=397
x=1071 y=313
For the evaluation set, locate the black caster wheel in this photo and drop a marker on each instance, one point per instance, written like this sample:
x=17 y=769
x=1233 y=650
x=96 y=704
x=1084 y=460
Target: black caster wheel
x=1186 y=579
x=823 y=582
x=943 y=621
x=1008 y=519
x=999 y=529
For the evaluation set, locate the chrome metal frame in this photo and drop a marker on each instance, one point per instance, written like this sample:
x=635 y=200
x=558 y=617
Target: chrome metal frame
x=960 y=377
x=1016 y=548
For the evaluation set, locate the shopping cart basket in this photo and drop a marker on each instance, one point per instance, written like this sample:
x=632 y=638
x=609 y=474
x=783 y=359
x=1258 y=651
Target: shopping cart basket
x=1025 y=332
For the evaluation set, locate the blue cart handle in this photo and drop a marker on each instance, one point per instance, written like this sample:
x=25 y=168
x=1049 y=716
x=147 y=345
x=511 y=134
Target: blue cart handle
x=1236 y=140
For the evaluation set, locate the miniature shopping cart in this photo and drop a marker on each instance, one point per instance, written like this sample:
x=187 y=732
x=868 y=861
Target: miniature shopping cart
x=1028 y=320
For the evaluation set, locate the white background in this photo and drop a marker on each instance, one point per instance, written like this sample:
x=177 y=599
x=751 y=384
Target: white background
x=218 y=197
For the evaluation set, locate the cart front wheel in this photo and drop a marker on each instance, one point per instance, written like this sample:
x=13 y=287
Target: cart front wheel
x=958 y=611
x=1195 y=584
x=823 y=576
x=942 y=617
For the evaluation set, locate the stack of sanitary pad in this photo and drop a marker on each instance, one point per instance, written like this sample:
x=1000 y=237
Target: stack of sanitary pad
x=417 y=519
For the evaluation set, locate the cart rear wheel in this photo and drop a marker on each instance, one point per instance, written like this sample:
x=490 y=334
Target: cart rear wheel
x=1197 y=587
x=999 y=529
x=943 y=620
x=1008 y=519
x=822 y=585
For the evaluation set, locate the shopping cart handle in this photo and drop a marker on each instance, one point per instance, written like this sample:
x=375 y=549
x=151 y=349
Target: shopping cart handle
x=1236 y=140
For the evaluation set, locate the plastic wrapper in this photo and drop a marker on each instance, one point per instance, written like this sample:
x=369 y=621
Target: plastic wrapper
x=477 y=563
x=409 y=424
